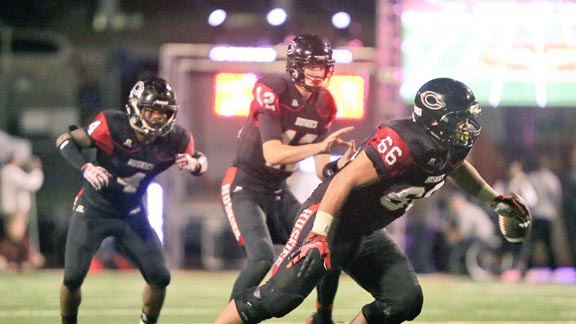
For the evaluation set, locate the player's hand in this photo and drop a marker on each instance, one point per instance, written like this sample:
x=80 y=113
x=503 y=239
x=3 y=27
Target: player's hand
x=195 y=165
x=97 y=176
x=347 y=156
x=335 y=140
x=313 y=250
x=512 y=207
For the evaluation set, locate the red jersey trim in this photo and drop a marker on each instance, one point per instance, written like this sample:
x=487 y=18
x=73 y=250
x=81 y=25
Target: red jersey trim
x=297 y=231
x=100 y=132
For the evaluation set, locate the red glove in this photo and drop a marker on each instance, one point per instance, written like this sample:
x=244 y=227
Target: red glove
x=513 y=207
x=313 y=250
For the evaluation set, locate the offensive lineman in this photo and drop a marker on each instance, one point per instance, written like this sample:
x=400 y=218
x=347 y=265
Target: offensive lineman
x=341 y=223
x=132 y=147
x=289 y=120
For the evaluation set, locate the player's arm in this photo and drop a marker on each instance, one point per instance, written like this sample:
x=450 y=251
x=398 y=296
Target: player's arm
x=71 y=143
x=360 y=172
x=326 y=168
x=468 y=179
x=512 y=206
x=275 y=152
x=190 y=159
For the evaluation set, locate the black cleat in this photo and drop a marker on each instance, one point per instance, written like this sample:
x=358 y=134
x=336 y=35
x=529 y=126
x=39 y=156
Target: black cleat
x=316 y=318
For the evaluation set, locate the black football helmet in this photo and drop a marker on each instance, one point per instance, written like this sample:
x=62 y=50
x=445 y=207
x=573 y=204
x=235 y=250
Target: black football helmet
x=305 y=50
x=156 y=94
x=447 y=109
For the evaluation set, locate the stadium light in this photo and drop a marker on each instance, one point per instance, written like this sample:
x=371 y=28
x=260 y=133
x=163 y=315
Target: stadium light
x=342 y=56
x=216 y=17
x=276 y=16
x=242 y=54
x=341 y=20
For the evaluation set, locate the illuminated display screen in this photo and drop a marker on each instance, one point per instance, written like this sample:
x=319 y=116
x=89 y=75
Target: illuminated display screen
x=348 y=91
x=511 y=53
x=233 y=94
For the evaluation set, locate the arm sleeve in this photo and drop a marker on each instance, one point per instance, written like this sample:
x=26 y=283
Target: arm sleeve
x=71 y=153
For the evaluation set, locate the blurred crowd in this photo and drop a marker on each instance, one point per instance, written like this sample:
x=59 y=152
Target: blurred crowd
x=21 y=176
x=467 y=241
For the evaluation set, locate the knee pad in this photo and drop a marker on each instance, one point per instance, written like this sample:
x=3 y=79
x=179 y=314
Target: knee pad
x=255 y=306
x=405 y=309
x=250 y=306
x=160 y=277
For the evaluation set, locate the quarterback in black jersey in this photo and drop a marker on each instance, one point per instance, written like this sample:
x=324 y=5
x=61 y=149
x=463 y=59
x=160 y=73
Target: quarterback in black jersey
x=132 y=147
x=341 y=224
x=289 y=120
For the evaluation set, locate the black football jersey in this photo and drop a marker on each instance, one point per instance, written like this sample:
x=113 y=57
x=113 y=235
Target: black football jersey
x=133 y=164
x=297 y=121
x=410 y=167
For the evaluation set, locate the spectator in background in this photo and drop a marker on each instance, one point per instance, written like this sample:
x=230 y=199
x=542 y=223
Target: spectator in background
x=468 y=223
x=569 y=206
x=425 y=243
x=20 y=179
x=516 y=180
x=545 y=214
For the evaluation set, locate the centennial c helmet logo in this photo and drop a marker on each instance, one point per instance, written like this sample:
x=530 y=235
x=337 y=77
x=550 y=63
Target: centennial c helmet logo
x=291 y=48
x=432 y=100
x=137 y=89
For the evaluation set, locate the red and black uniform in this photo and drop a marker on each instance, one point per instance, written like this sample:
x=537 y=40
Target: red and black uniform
x=117 y=210
x=259 y=207
x=410 y=167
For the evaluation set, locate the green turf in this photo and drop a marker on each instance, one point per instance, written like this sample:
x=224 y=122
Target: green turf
x=197 y=297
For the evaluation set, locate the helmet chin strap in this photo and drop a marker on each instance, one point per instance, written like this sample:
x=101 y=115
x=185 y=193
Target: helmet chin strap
x=143 y=136
x=311 y=88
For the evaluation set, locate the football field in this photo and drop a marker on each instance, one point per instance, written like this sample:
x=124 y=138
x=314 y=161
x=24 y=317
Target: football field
x=197 y=297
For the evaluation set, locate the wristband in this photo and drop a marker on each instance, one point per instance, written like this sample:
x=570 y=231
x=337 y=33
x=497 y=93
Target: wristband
x=330 y=169
x=322 y=222
x=487 y=194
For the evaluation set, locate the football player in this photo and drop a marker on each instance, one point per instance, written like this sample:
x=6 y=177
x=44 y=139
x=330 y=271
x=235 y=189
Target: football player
x=341 y=224
x=132 y=147
x=289 y=121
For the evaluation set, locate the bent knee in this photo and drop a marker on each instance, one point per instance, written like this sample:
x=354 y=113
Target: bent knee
x=255 y=306
x=160 y=277
x=73 y=280
x=403 y=309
